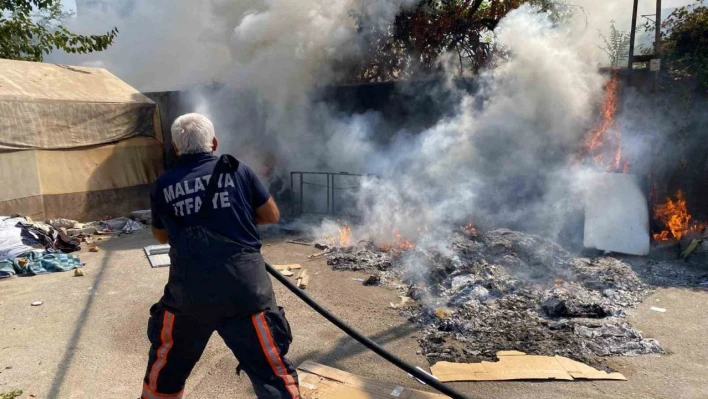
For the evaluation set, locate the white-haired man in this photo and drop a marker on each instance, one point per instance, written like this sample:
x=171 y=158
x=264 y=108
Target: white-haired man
x=207 y=208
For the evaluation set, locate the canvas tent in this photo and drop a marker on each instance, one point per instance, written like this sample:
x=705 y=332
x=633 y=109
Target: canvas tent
x=75 y=142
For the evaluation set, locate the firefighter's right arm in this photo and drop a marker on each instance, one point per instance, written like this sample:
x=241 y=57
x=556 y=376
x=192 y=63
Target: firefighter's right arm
x=267 y=213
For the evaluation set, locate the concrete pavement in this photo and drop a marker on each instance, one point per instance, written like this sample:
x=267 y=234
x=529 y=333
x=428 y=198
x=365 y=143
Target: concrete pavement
x=88 y=338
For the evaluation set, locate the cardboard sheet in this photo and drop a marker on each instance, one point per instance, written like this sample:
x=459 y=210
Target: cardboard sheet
x=322 y=382
x=513 y=365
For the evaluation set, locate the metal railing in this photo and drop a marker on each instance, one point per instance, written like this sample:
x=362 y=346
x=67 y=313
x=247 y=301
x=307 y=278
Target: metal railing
x=297 y=207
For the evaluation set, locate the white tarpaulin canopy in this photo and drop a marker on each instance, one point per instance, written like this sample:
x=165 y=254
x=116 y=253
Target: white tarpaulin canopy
x=75 y=142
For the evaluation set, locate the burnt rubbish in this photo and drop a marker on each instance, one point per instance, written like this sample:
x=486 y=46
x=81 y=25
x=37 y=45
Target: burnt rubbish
x=507 y=290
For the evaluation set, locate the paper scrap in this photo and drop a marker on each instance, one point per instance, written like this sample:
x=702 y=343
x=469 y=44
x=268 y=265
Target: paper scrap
x=404 y=301
x=654 y=308
x=514 y=365
x=293 y=266
x=397 y=392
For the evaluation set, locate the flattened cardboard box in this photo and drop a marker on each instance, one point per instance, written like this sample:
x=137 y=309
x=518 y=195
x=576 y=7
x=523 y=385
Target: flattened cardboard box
x=322 y=382
x=513 y=365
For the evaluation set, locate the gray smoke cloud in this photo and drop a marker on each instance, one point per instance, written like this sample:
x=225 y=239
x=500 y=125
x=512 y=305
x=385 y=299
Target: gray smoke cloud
x=507 y=161
x=502 y=157
x=270 y=55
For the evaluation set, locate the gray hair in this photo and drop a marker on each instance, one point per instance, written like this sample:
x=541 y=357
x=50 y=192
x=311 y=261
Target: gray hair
x=192 y=134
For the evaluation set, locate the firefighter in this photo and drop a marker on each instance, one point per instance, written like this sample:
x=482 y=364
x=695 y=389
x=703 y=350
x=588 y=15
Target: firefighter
x=207 y=208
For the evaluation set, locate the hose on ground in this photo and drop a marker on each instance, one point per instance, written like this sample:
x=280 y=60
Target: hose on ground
x=434 y=383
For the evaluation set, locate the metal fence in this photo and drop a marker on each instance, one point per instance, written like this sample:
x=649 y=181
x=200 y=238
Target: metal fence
x=299 y=184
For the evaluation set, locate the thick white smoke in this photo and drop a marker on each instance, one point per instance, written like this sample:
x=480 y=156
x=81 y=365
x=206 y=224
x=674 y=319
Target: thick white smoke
x=504 y=162
x=270 y=55
x=502 y=158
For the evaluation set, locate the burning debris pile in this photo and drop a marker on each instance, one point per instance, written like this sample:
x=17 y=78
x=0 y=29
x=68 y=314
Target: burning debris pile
x=674 y=216
x=506 y=290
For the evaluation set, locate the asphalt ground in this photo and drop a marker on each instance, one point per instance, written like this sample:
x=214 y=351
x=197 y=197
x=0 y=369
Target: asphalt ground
x=88 y=338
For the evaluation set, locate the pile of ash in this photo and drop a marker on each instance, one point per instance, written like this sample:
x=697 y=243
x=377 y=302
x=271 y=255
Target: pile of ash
x=507 y=290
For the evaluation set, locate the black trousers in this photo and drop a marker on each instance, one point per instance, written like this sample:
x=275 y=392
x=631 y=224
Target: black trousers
x=259 y=344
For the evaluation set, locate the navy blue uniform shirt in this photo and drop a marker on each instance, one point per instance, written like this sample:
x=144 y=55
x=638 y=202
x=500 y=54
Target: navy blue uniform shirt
x=179 y=193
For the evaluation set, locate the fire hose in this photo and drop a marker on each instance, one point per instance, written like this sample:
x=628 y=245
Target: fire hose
x=426 y=378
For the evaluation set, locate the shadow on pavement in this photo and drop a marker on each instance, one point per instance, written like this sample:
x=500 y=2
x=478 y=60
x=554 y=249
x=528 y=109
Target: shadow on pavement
x=66 y=361
x=348 y=347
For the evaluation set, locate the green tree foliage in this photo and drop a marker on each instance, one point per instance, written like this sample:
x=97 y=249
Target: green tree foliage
x=684 y=44
x=414 y=42
x=616 y=46
x=29 y=29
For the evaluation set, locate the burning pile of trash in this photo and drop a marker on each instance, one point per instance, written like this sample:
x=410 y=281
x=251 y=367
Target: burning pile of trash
x=507 y=290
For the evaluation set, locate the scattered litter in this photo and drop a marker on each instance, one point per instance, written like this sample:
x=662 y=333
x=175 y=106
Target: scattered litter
x=374 y=279
x=303 y=279
x=299 y=242
x=158 y=255
x=359 y=279
x=40 y=262
x=94 y=249
x=294 y=266
x=115 y=224
x=287 y=273
x=503 y=289
x=514 y=365
x=83 y=231
x=78 y=272
x=317 y=255
x=661 y=310
x=404 y=301
x=132 y=226
x=37 y=303
x=64 y=223
x=144 y=216
x=422 y=371
x=397 y=391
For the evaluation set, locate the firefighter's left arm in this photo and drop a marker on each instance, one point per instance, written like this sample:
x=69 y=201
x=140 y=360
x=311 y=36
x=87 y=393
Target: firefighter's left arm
x=160 y=235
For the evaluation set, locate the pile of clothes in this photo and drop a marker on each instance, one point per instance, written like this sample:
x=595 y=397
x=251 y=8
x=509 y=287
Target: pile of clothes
x=28 y=248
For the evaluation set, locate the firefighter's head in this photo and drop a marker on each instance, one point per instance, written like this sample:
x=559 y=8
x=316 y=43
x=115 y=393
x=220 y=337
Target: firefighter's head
x=192 y=134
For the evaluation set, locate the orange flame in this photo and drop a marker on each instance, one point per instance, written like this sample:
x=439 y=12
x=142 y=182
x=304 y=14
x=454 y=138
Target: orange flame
x=471 y=230
x=606 y=136
x=399 y=243
x=344 y=239
x=345 y=236
x=673 y=214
